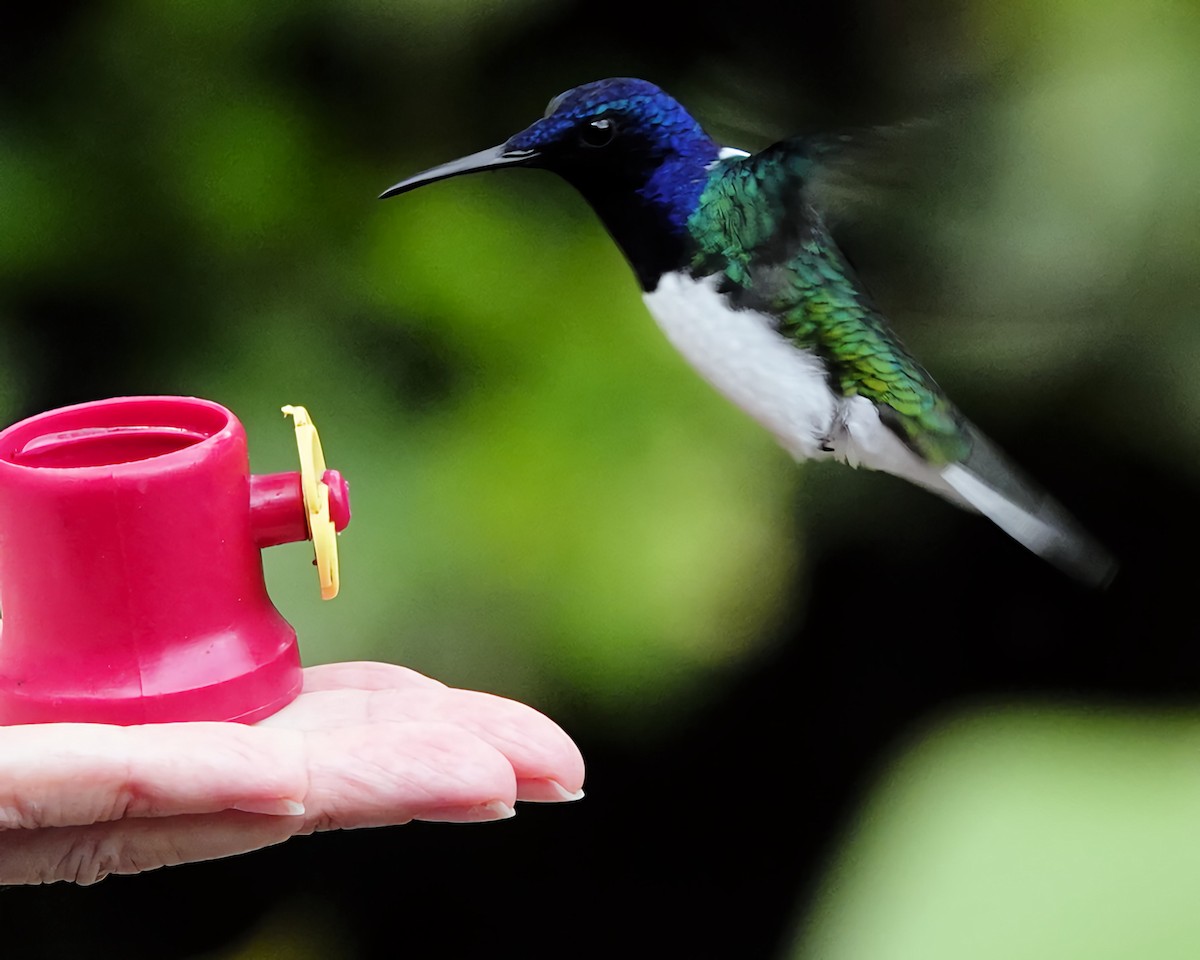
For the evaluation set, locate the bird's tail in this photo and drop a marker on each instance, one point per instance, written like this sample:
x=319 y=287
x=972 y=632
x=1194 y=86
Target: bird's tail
x=987 y=481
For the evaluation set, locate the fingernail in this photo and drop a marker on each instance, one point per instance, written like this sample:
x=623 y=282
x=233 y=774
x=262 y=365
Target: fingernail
x=493 y=810
x=272 y=807
x=545 y=791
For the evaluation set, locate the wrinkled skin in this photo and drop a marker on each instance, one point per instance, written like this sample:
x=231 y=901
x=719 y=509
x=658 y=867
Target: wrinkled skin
x=365 y=744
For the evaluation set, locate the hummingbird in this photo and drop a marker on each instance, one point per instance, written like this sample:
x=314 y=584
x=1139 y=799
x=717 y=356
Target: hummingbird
x=737 y=266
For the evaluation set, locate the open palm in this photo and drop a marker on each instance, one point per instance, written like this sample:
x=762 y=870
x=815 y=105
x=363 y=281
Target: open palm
x=364 y=744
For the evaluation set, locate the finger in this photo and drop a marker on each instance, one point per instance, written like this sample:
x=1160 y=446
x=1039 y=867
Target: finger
x=364 y=675
x=85 y=854
x=65 y=774
x=359 y=776
x=364 y=776
x=546 y=762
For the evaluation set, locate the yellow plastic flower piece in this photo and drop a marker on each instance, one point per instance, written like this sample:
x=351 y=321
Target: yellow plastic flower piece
x=316 y=500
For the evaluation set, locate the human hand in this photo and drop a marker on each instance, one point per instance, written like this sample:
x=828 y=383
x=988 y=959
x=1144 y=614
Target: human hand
x=363 y=745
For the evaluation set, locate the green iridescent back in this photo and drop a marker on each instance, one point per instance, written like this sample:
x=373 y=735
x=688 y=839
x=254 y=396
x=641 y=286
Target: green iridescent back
x=756 y=229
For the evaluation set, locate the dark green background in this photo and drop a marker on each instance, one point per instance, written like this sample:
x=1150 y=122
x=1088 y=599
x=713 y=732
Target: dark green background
x=825 y=714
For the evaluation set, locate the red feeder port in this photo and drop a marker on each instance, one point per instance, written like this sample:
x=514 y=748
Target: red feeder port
x=131 y=583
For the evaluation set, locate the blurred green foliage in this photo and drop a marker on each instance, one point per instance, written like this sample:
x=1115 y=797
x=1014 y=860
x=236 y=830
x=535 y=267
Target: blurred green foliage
x=1024 y=831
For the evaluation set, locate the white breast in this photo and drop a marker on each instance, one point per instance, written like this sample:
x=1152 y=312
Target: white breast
x=740 y=353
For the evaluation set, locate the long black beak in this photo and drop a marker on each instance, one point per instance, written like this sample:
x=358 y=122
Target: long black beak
x=491 y=159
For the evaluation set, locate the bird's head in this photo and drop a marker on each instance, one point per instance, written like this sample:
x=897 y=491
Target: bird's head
x=630 y=149
x=618 y=132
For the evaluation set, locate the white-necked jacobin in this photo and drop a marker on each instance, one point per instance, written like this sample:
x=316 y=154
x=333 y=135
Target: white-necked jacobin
x=737 y=266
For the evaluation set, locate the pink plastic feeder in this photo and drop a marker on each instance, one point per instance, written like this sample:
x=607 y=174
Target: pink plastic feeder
x=131 y=583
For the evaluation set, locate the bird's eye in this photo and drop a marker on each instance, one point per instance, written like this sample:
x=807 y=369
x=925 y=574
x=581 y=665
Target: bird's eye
x=598 y=133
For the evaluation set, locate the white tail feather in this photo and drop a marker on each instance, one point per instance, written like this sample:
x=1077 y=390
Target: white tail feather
x=1035 y=533
x=1037 y=522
